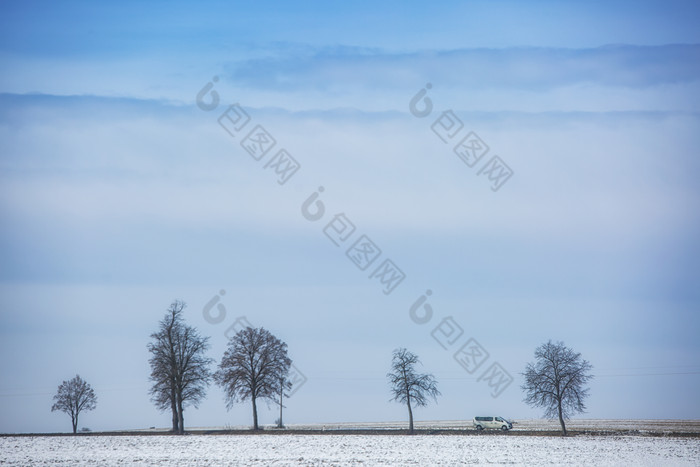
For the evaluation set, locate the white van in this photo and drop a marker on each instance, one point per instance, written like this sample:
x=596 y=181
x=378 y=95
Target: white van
x=495 y=423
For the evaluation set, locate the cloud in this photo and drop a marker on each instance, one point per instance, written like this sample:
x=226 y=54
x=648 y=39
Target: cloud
x=301 y=77
x=128 y=190
x=511 y=68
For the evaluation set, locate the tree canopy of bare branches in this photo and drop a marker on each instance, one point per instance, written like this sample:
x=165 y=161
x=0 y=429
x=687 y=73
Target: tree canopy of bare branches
x=408 y=386
x=73 y=397
x=179 y=365
x=254 y=366
x=557 y=381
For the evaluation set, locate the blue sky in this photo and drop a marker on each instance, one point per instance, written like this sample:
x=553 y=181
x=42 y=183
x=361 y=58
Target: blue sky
x=119 y=194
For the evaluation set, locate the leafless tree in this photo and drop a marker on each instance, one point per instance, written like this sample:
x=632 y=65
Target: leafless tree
x=73 y=397
x=409 y=387
x=252 y=368
x=179 y=365
x=557 y=381
x=163 y=362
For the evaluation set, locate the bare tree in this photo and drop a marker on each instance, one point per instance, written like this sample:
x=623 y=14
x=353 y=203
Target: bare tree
x=179 y=367
x=409 y=387
x=556 y=381
x=73 y=397
x=163 y=362
x=252 y=368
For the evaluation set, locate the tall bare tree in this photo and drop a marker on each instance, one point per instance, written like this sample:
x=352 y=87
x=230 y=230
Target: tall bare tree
x=163 y=362
x=73 y=397
x=408 y=386
x=557 y=381
x=252 y=368
x=179 y=365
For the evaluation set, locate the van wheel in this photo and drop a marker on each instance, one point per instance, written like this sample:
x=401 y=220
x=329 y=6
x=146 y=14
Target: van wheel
x=504 y=428
x=479 y=428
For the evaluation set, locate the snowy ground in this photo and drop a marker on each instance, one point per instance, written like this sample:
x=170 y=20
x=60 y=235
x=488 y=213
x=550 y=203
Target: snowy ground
x=254 y=450
x=641 y=426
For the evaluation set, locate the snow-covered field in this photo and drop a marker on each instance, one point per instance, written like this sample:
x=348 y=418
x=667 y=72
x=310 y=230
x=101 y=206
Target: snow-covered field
x=252 y=450
x=641 y=426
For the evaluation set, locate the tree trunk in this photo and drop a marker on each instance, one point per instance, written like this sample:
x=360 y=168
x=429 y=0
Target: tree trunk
x=74 y=421
x=181 y=416
x=173 y=406
x=561 y=419
x=255 y=414
x=280 y=425
x=410 y=418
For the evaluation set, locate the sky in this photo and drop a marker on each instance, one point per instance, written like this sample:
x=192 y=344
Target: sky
x=467 y=180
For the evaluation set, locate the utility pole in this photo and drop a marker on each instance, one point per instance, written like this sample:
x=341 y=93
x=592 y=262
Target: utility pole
x=280 y=425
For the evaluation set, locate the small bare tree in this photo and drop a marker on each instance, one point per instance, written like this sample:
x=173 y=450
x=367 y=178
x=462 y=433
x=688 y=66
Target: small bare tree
x=409 y=387
x=73 y=397
x=179 y=367
x=254 y=366
x=557 y=381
